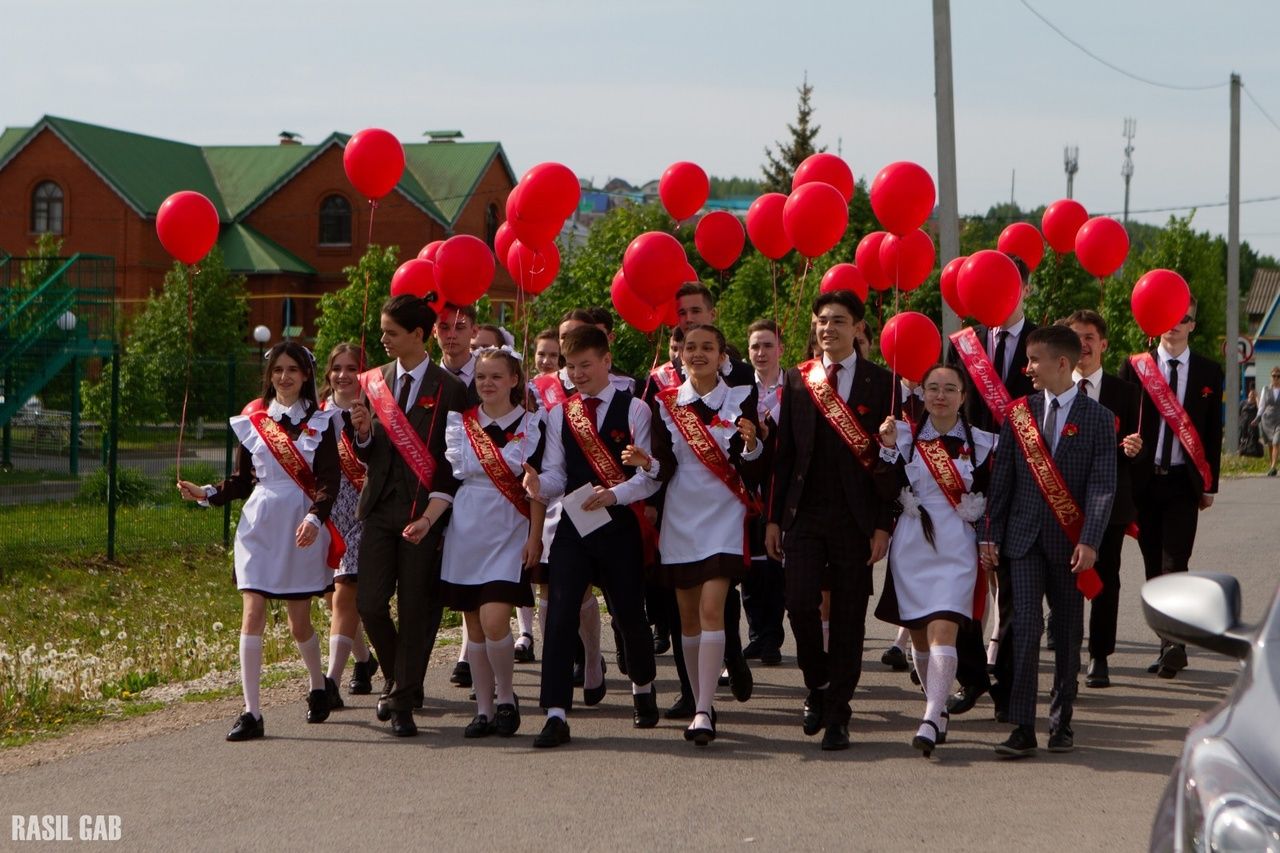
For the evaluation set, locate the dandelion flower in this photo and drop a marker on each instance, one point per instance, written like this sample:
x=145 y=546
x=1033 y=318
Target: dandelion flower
x=217 y=626
x=122 y=636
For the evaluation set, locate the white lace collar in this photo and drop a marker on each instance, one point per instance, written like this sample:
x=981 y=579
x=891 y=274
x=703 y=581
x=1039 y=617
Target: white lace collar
x=929 y=432
x=297 y=412
x=714 y=399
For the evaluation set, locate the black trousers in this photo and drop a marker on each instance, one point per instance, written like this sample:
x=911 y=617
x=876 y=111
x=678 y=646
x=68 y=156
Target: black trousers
x=826 y=546
x=732 y=635
x=764 y=601
x=611 y=559
x=1168 y=511
x=1104 y=610
x=391 y=565
x=971 y=645
x=1035 y=577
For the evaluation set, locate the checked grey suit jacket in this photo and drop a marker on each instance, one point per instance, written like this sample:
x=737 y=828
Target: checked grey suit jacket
x=1020 y=516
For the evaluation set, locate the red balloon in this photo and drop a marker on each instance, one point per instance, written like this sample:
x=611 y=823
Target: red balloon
x=683 y=189
x=1160 y=300
x=464 y=269
x=867 y=257
x=1101 y=245
x=550 y=192
x=947 y=284
x=187 y=225
x=825 y=168
x=1061 y=221
x=374 y=161
x=907 y=260
x=631 y=306
x=764 y=226
x=1022 y=239
x=814 y=217
x=416 y=277
x=429 y=251
x=911 y=344
x=719 y=238
x=669 y=314
x=844 y=277
x=502 y=240
x=656 y=266
x=533 y=267
x=902 y=197
x=535 y=231
x=989 y=286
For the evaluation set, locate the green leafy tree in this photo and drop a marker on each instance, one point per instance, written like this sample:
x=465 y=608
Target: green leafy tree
x=341 y=311
x=779 y=167
x=735 y=187
x=156 y=349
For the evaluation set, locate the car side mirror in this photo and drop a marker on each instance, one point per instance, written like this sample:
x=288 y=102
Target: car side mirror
x=1200 y=609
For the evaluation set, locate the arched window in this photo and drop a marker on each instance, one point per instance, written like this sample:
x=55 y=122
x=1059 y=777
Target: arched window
x=46 y=208
x=335 y=221
x=490 y=224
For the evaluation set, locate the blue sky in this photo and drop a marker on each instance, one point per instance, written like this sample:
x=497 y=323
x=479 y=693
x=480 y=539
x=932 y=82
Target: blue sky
x=624 y=89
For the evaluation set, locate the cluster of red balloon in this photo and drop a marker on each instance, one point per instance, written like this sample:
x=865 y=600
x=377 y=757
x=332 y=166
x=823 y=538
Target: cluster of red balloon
x=813 y=218
x=654 y=266
x=901 y=256
x=537 y=208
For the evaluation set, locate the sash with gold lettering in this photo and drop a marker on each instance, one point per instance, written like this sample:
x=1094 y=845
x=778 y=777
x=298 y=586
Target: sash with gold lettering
x=665 y=376
x=933 y=454
x=837 y=413
x=404 y=438
x=985 y=377
x=352 y=468
x=295 y=465
x=704 y=446
x=1049 y=480
x=493 y=463
x=607 y=469
x=550 y=390
x=1175 y=417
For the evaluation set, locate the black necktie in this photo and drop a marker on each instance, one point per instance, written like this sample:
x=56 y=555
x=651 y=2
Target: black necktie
x=1001 y=336
x=403 y=400
x=1166 y=452
x=1051 y=425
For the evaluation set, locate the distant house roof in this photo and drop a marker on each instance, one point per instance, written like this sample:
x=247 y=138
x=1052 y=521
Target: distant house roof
x=245 y=250
x=1262 y=291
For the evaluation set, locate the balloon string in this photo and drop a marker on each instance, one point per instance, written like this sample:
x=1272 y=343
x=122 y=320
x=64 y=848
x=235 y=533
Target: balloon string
x=773 y=275
x=364 y=314
x=793 y=316
x=192 y=272
x=657 y=350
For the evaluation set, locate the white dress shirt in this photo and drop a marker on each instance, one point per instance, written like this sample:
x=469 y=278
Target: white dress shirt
x=1010 y=344
x=769 y=395
x=1095 y=382
x=466 y=374
x=1065 y=399
x=1164 y=358
x=844 y=379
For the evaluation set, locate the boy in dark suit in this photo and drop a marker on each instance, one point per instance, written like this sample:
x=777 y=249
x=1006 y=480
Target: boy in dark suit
x=1051 y=492
x=825 y=513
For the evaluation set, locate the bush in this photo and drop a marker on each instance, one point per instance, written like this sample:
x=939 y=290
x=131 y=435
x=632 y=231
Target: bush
x=200 y=473
x=132 y=487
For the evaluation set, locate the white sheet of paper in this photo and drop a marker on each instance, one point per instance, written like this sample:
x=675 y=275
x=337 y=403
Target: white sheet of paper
x=586 y=521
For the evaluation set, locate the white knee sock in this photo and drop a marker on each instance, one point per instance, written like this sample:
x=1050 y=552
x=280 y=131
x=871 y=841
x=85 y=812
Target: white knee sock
x=942 y=671
x=481 y=677
x=463 y=653
x=589 y=631
x=524 y=622
x=541 y=618
x=251 y=671
x=502 y=661
x=339 y=649
x=922 y=668
x=710 y=659
x=826 y=635
x=689 y=646
x=359 y=648
x=903 y=638
x=310 y=651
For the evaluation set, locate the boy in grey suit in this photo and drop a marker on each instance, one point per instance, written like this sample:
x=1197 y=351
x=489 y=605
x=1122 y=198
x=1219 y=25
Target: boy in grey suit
x=1051 y=546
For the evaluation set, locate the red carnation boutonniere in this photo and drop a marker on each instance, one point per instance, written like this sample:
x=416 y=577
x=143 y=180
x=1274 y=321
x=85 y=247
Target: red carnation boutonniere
x=721 y=423
x=863 y=409
x=617 y=435
x=964 y=453
x=425 y=403
x=515 y=436
x=309 y=430
x=1069 y=430
x=1206 y=391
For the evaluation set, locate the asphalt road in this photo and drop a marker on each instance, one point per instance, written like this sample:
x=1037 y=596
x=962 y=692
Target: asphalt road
x=348 y=785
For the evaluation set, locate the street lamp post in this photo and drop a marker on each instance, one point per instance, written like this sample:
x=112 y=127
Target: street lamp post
x=261 y=334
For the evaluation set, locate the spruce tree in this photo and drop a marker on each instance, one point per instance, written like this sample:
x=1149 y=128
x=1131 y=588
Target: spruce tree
x=779 y=168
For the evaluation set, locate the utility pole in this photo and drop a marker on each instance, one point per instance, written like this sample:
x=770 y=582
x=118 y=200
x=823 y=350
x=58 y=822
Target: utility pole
x=1126 y=168
x=1232 y=437
x=1071 y=163
x=1013 y=185
x=944 y=104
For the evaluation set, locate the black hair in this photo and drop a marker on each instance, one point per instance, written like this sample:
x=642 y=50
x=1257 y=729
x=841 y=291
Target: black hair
x=513 y=364
x=845 y=298
x=1024 y=271
x=583 y=338
x=677 y=335
x=582 y=315
x=696 y=288
x=926 y=523
x=496 y=330
x=601 y=317
x=302 y=356
x=1086 y=317
x=719 y=335
x=411 y=312
x=1060 y=340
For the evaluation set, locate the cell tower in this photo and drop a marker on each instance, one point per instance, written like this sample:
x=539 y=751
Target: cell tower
x=1126 y=169
x=1071 y=163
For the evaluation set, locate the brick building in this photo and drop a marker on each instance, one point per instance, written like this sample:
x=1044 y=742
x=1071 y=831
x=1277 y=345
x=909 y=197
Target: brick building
x=290 y=219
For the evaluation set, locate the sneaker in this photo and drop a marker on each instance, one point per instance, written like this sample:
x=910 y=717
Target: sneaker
x=1062 y=740
x=1021 y=743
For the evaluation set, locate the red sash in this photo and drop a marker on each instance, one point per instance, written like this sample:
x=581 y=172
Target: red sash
x=293 y=463
x=550 y=389
x=838 y=413
x=1175 y=417
x=494 y=464
x=352 y=468
x=665 y=376
x=404 y=438
x=947 y=476
x=985 y=377
x=704 y=446
x=607 y=469
x=1049 y=480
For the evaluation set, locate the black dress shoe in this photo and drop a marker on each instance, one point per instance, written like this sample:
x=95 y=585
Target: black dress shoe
x=332 y=694
x=594 y=695
x=402 y=725
x=723 y=680
x=506 y=720
x=963 y=700
x=620 y=658
x=751 y=651
x=1173 y=661
x=740 y=680
x=524 y=653
x=836 y=737
x=1021 y=743
x=1062 y=740
x=682 y=709
x=247 y=727
x=1098 y=675
x=382 y=710
x=896 y=659
x=480 y=726
x=644 y=714
x=361 y=683
x=926 y=744
x=814 y=705
x=661 y=642
x=461 y=674
x=946 y=724
x=702 y=734
x=317 y=706
x=554 y=733
x=771 y=656
x=1154 y=666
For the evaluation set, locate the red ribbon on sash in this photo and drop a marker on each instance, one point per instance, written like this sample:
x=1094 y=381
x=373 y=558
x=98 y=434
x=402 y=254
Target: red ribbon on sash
x=1175 y=417
x=665 y=376
x=945 y=473
x=493 y=463
x=550 y=390
x=404 y=438
x=1049 y=480
x=295 y=465
x=837 y=413
x=983 y=372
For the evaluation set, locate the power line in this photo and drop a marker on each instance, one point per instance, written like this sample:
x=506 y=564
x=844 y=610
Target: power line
x=1261 y=109
x=1115 y=67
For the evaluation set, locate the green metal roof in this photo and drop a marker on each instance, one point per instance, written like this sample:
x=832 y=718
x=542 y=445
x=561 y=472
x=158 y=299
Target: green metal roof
x=245 y=250
x=245 y=173
x=10 y=137
x=448 y=172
